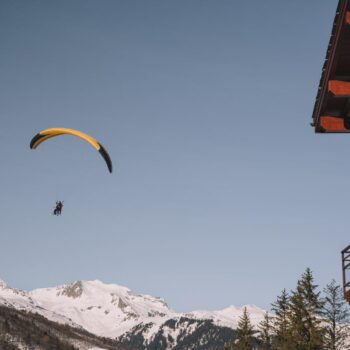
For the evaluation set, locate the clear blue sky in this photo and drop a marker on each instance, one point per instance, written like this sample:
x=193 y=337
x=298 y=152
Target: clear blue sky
x=222 y=193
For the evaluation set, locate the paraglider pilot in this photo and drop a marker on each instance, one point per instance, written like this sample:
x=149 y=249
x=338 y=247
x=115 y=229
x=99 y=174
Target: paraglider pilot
x=58 y=208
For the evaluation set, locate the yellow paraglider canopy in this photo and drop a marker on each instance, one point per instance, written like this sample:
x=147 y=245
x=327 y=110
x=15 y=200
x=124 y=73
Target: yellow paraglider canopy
x=53 y=132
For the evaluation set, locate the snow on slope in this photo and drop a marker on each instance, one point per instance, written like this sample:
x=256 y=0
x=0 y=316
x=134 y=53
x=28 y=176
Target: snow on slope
x=22 y=300
x=111 y=310
x=229 y=316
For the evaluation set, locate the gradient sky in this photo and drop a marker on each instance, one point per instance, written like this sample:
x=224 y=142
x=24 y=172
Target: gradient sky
x=222 y=193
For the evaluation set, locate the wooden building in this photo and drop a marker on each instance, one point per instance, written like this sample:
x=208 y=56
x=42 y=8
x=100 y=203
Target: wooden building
x=346 y=272
x=331 y=112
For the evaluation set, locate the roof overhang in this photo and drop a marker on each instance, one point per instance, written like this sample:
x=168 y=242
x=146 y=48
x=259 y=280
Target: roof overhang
x=332 y=107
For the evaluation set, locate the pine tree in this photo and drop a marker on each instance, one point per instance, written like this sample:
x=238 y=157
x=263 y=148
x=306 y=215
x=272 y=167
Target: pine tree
x=229 y=346
x=245 y=333
x=336 y=314
x=305 y=314
x=297 y=320
x=281 y=322
x=265 y=336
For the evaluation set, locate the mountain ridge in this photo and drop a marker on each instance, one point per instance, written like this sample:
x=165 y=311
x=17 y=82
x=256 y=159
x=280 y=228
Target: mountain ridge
x=114 y=311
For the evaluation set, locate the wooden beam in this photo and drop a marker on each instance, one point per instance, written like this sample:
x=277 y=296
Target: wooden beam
x=347 y=17
x=346 y=250
x=339 y=88
x=347 y=296
x=332 y=124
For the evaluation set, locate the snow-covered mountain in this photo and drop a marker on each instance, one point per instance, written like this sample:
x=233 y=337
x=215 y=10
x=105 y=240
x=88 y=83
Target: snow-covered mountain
x=22 y=300
x=229 y=316
x=108 y=310
x=113 y=311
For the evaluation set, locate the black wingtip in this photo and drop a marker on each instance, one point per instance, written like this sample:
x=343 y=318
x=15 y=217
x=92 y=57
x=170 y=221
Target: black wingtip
x=106 y=157
x=34 y=140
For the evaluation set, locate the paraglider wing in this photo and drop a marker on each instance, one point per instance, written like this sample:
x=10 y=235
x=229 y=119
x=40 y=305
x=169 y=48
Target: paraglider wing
x=53 y=132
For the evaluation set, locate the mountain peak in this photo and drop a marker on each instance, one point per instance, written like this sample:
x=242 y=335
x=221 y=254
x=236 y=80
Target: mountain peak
x=3 y=284
x=250 y=308
x=73 y=290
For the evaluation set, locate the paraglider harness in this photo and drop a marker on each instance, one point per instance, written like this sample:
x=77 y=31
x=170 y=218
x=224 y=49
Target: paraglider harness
x=58 y=209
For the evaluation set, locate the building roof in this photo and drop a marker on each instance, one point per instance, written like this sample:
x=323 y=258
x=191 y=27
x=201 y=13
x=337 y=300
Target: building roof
x=332 y=106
